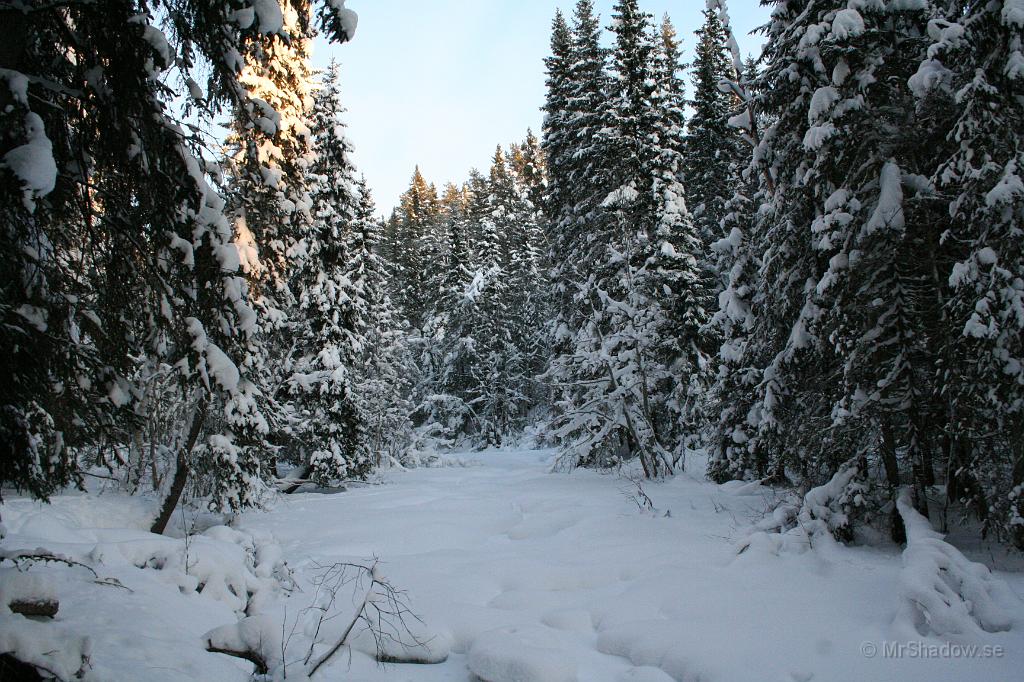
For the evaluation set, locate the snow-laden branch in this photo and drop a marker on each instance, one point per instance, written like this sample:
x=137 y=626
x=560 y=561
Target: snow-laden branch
x=943 y=592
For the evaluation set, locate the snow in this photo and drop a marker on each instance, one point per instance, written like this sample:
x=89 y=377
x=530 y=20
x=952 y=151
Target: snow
x=217 y=364
x=34 y=315
x=348 y=18
x=270 y=16
x=818 y=135
x=889 y=211
x=848 y=23
x=260 y=634
x=741 y=120
x=623 y=196
x=33 y=162
x=17 y=83
x=520 y=654
x=421 y=644
x=944 y=593
x=155 y=37
x=986 y=256
x=1015 y=65
x=822 y=101
x=1013 y=13
x=517 y=573
x=930 y=74
x=1008 y=189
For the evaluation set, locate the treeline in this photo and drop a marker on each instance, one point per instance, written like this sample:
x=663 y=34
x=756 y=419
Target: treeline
x=469 y=272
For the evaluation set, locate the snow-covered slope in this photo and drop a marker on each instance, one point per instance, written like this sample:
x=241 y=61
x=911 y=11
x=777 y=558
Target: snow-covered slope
x=541 y=577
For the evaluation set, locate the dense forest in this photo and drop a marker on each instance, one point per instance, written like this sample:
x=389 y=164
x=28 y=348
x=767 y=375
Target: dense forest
x=808 y=263
x=803 y=268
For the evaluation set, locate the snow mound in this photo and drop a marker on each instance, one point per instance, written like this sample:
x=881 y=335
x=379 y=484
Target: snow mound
x=571 y=620
x=416 y=642
x=48 y=647
x=258 y=634
x=945 y=593
x=651 y=644
x=45 y=646
x=221 y=564
x=822 y=516
x=519 y=654
x=645 y=673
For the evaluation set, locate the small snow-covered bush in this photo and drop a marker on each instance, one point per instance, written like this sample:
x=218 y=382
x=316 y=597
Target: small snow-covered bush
x=222 y=563
x=827 y=511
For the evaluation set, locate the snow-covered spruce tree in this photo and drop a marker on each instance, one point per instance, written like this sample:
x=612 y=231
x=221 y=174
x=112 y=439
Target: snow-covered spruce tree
x=116 y=247
x=442 y=348
x=482 y=364
x=328 y=331
x=712 y=145
x=969 y=90
x=384 y=372
x=733 y=453
x=577 y=81
x=414 y=248
x=480 y=346
x=834 y=336
x=513 y=301
x=269 y=152
x=556 y=141
x=576 y=90
x=530 y=267
x=620 y=378
x=530 y=167
x=680 y=261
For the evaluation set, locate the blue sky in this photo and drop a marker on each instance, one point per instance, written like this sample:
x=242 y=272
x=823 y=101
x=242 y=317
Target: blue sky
x=441 y=83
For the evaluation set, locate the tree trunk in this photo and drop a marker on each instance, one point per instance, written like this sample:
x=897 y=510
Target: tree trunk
x=181 y=470
x=43 y=608
x=892 y=467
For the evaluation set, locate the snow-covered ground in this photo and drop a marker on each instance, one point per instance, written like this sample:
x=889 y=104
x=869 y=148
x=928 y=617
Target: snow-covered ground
x=534 y=576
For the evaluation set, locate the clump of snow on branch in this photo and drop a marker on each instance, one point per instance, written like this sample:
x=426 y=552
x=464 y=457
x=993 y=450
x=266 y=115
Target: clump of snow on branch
x=33 y=162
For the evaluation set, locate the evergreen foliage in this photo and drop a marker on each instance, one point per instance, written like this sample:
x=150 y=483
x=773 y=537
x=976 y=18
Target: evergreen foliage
x=123 y=300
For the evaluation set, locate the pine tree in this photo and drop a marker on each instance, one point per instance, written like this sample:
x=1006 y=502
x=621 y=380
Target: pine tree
x=965 y=88
x=619 y=376
x=577 y=83
x=557 y=144
x=833 y=336
x=384 y=369
x=268 y=155
x=329 y=332
x=576 y=94
x=416 y=250
x=711 y=143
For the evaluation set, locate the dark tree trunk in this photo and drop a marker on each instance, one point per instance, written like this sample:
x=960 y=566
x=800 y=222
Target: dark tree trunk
x=181 y=470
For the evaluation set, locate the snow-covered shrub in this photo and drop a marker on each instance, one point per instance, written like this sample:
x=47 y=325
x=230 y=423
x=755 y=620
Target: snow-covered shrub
x=826 y=511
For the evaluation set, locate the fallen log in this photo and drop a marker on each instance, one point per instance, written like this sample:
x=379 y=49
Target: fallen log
x=45 y=608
